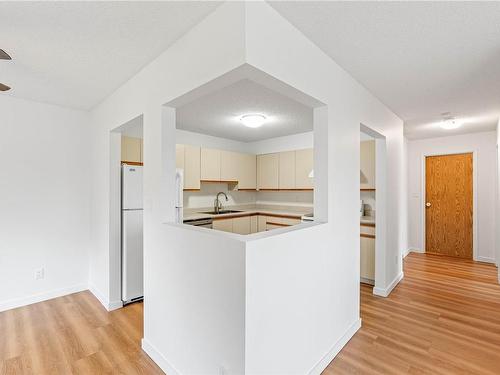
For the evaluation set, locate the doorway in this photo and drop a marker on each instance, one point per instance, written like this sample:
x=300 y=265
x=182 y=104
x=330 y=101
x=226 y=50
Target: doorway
x=449 y=205
x=126 y=223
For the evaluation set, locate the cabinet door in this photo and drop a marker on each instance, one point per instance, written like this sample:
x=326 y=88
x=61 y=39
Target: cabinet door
x=241 y=225
x=304 y=164
x=287 y=220
x=367 y=256
x=261 y=223
x=247 y=171
x=268 y=171
x=191 y=167
x=367 y=165
x=254 y=224
x=287 y=170
x=229 y=165
x=179 y=156
x=131 y=149
x=210 y=164
x=225 y=225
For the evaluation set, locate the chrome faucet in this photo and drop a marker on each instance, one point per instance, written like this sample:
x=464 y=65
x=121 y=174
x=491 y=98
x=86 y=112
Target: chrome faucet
x=217 y=202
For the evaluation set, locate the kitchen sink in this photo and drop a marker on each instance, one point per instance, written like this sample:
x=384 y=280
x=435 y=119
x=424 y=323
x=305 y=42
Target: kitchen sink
x=221 y=212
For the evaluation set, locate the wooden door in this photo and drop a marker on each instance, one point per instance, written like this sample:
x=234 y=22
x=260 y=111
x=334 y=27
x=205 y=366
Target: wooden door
x=448 y=218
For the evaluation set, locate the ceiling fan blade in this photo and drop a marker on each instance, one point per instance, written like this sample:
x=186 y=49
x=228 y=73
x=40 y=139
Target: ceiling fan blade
x=4 y=87
x=4 y=55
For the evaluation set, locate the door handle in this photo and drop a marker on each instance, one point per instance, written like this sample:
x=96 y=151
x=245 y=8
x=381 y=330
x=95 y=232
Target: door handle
x=428 y=204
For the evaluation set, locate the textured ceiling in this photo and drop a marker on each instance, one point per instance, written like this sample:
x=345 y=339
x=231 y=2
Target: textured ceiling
x=420 y=58
x=218 y=113
x=75 y=54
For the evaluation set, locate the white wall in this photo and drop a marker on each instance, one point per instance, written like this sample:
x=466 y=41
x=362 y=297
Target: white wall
x=235 y=34
x=485 y=146
x=497 y=227
x=195 y=314
x=336 y=244
x=45 y=190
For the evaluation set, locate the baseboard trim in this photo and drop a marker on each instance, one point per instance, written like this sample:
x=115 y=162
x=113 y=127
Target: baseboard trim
x=109 y=306
x=364 y=280
x=40 y=297
x=384 y=292
x=158 y=358
x=336 y=348
x=411 y=250
x=485 y=259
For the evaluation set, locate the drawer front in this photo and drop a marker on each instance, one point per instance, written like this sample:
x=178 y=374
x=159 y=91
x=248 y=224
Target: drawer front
x=367 y=229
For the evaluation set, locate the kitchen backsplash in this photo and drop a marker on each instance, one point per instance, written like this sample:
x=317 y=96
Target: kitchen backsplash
x=368 y=198
x=206 y=195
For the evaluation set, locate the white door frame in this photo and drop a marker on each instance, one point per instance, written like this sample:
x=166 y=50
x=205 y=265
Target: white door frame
x=423 y=198
x=381 y=287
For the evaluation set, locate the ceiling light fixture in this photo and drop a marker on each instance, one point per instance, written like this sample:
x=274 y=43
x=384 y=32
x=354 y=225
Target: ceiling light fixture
x=450 y=124
x=253 y=120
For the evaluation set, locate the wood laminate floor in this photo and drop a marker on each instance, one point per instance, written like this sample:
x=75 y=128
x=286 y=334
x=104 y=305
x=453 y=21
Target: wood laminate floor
x=443 y=318
x=73 y=334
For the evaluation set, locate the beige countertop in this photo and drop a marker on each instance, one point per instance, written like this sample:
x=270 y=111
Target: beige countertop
x=250 y=209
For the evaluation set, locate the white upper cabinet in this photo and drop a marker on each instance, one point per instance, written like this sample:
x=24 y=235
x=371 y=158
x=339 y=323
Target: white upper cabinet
x=191 y=167
x=268 y=171
x=304 y=164
x=131 y=149
x=367 y=165
x=229 y=165
x=210 y=164
x=179 y=156
x=287 y=170
x=247 y=171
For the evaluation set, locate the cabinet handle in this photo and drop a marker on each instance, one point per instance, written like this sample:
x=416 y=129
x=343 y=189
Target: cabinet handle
x=428 y=204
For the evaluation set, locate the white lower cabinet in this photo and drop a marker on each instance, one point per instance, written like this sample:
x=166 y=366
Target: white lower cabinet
x=367 y=256
x=225 y=225
x=254 y=224
x=241 y=225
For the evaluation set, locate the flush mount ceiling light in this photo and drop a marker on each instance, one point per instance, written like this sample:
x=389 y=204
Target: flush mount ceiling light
x=253 y=120
x=450 y=124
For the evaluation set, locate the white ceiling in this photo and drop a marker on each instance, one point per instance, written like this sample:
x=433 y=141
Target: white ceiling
x=75 y=54
x=217 y=113
x=420 y=58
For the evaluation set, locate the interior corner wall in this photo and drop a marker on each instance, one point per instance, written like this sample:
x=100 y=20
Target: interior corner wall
x=210 y=49
x=45 y=189
x=484 y=144
x=497 y=226
x=292 y=58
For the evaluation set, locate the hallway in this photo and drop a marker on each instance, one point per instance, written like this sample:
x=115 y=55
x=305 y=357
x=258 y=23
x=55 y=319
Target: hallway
x=443 y=318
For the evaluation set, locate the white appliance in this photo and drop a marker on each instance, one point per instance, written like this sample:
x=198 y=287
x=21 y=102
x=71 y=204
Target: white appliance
x=132 y=234
x=179 y=196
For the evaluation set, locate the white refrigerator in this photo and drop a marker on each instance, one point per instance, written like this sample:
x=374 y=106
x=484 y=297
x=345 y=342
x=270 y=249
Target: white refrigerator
x=132 y=234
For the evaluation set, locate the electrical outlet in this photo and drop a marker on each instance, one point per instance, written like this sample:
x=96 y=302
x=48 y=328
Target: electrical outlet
x=40 y=274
